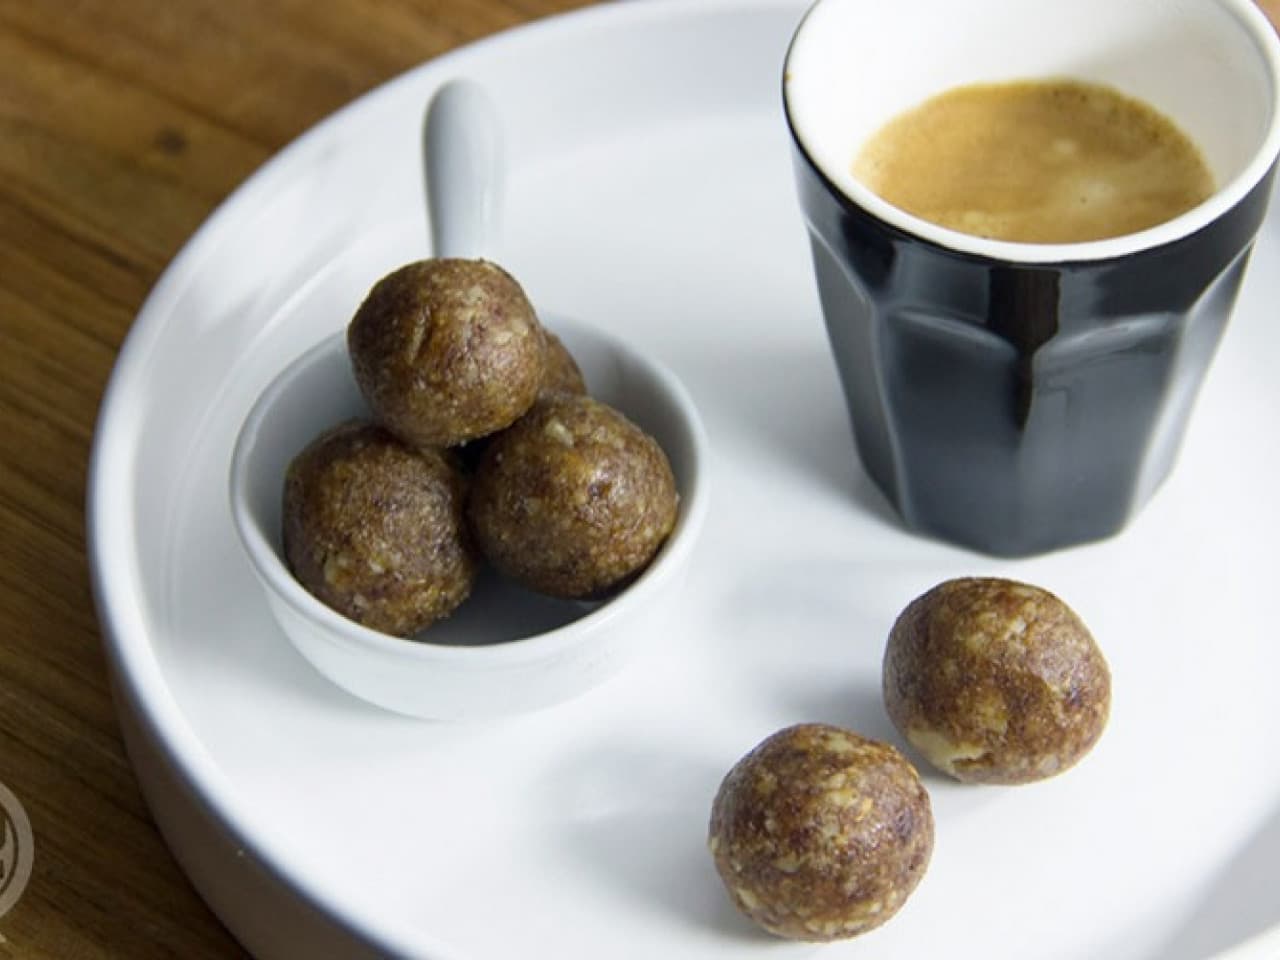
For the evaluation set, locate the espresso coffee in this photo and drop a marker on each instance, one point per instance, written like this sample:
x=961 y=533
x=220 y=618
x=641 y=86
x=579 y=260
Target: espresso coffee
x=1036 y=162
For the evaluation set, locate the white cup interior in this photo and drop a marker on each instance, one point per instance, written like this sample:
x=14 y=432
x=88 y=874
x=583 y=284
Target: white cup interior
x=1210 y=65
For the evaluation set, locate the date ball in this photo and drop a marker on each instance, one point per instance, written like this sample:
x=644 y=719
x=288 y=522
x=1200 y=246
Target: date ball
x=376 y=530
x=820 y=834
x=995 y=681
x=574 y=500
x=446 y=350
x=562 y=374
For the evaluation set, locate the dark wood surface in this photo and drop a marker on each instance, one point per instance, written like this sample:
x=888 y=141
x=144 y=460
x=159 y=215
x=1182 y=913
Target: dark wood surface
x=122 y=124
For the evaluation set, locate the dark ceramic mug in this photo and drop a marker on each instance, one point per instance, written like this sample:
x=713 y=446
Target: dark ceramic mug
x=1017 y=398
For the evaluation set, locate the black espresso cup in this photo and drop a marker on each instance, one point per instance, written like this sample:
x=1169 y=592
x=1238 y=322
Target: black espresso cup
x=1016 y=398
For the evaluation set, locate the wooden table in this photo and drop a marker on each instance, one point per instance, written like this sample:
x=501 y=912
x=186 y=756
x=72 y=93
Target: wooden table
x=122 y=124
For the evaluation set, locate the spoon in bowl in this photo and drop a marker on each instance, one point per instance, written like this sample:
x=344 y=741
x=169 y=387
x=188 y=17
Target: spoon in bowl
x=462 y=160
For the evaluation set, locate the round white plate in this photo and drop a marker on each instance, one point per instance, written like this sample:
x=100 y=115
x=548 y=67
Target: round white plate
x=651 y=192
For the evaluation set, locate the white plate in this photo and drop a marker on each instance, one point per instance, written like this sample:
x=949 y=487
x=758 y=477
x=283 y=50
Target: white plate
x=652 y=193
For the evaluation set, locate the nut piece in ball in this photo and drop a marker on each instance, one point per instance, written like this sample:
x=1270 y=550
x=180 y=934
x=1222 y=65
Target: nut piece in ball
x=820 y=834
x=376 y=530
x=574 y=499
x=446 y=350
x=995 y=681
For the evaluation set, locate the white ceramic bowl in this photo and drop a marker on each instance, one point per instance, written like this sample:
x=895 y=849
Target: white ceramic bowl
x=505 y=650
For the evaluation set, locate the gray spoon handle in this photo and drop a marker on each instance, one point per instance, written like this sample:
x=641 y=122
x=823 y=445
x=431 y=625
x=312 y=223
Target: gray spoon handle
x=462 y=155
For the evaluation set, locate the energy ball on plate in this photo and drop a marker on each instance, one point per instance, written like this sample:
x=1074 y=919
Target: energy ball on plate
x=995 y=681
x=447 y=350
x=820 y=834
x=574 y=500
x=562 y=375
x=376 y=530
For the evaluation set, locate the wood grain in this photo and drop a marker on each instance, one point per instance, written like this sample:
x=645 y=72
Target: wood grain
x=122 y=124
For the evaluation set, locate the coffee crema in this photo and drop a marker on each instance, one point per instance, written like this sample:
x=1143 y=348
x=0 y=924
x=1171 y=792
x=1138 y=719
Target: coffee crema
x=1037 y=161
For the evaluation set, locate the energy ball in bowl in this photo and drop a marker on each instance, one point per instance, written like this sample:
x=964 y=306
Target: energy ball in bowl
x=447 y=350
x=376 y=530
x=574 y=500
x=820 y=834
x=562 y=375
x=995 y=681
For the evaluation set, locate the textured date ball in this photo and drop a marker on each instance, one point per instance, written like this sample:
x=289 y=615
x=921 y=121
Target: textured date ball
x=574 y=500
x=820 y=834
x=376 y=530
x=995 y=681
x=562 y=374
x=447 y=350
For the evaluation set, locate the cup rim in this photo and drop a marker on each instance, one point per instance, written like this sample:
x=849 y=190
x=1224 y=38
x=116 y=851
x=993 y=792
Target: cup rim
x=853 y=192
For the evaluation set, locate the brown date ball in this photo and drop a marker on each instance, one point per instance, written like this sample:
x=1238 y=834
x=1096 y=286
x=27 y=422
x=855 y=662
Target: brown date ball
x=562 y=374
x=995 y=681
x=820 y=834
x=574 y=500
x=447 y=350
x=375 y=529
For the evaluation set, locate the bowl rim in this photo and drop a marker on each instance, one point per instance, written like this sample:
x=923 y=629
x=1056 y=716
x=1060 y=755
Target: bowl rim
x=337 y=630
